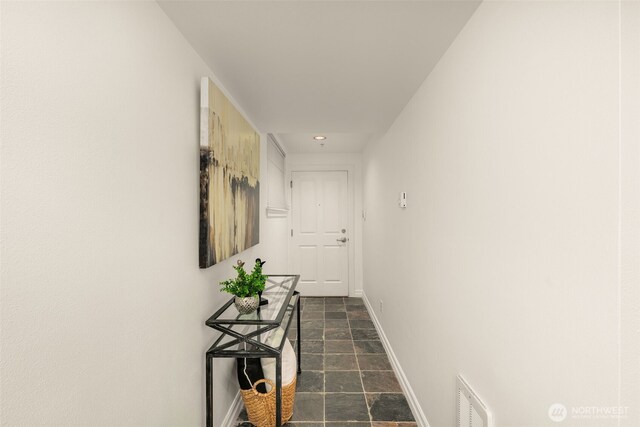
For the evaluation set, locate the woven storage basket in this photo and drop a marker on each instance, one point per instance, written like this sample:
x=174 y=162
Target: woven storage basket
x=261 y=407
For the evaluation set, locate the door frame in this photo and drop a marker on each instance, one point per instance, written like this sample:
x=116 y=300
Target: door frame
x=350 y=169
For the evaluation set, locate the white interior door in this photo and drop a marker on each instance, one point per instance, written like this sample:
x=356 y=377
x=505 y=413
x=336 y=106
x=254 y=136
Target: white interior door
x=319 y=235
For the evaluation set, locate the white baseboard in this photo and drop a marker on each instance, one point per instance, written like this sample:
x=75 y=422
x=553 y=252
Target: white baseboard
x=419 y=415
x=233 y=412
x=357 y=293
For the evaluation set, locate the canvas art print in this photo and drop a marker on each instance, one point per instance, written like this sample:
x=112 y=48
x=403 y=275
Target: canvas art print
x=229 y=178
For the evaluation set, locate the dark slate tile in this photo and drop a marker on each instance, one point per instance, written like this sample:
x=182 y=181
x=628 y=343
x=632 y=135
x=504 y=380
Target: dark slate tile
x=321 y=393
x=389 y=407
x=344 y=346
x=340 y=362
x=308 y=407
x=346 y=407
x=312 y=362
x=373 y=362
x=361 y=324
x=337 y=334
x=392 y=424
x=312 y=346
x=336 y=324
x=243 y=415
x=313 y=315
x=368 y=347
x=310 y=381
x=310 y=324
x=380 y=381
x=334 y=315
x=292 y=334
x=358 y=315
x=314 y=334
x=364 y=334
x=343 y=381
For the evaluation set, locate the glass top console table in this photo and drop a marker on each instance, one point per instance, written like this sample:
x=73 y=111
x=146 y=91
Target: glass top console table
x=245 y=335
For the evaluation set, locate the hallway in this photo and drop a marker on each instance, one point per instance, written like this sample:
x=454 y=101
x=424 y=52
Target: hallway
x=488 y=225
x=346 y=380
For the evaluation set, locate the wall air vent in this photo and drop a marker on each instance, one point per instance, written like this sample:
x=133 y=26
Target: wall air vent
x=471 y=412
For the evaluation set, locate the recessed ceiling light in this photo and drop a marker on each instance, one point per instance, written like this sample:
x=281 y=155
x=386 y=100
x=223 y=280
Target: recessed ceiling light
x=319 y=138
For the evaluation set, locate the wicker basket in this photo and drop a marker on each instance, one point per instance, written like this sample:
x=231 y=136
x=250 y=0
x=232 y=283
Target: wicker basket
x=261 y=407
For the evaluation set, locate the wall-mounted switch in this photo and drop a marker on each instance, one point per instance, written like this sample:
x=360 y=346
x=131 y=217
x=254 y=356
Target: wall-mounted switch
x=403 y=199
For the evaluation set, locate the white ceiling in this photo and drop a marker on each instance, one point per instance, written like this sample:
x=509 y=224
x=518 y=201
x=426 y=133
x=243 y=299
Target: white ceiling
x=335 y=142
x=341 y=68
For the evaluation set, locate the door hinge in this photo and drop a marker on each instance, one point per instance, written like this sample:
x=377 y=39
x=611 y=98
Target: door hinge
x=290 y=184
x=292 y=232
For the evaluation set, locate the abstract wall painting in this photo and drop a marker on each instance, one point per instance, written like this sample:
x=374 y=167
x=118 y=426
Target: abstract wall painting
x=229 y=178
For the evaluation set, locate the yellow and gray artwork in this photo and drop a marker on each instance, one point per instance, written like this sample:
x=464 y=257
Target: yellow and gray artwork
x=229 y=178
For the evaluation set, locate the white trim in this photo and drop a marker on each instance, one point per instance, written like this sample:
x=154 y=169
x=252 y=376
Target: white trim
x=233 y=412
x=277 y=212
x=358 y=293
x=418 y=414
x=277 y=144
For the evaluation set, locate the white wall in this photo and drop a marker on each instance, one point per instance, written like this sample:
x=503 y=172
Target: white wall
x=352 y=161
x=630 y=210
x=103 y=305
x=504 y=265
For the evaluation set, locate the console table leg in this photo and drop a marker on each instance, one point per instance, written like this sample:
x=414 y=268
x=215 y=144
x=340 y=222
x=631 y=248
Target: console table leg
x=298 y=341
x=279 y=390
x=209 y=381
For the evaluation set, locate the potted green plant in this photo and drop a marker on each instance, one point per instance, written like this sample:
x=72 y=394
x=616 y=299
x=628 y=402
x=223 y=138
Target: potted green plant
x=246 y=287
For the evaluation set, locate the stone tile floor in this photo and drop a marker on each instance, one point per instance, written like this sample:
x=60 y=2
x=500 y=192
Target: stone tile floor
x=346 y=380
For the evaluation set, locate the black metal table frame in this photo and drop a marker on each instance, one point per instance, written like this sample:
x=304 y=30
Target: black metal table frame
x=262 y=350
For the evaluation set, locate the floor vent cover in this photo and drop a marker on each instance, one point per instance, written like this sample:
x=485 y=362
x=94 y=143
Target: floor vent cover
x=471 y=412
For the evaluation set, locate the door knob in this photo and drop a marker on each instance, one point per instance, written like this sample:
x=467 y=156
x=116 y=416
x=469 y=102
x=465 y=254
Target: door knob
x=342 y=239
